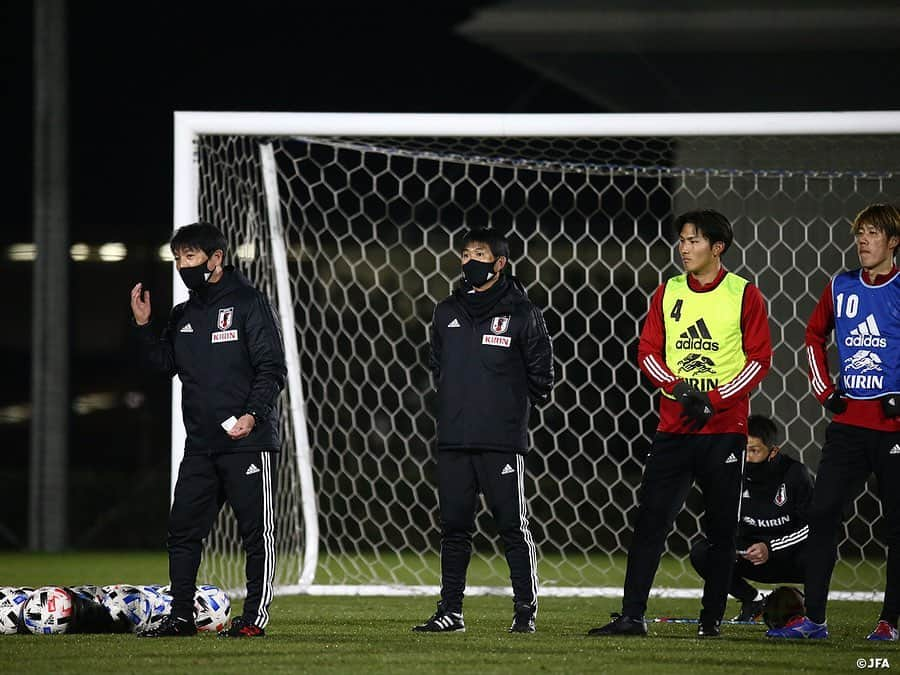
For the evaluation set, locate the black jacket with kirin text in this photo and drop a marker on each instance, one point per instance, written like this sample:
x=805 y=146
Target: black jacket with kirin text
x=226 y=348
x=489 y=368
x=774 y=505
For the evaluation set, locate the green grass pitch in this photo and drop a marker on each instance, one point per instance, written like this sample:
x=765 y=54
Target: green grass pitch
x=372 y=635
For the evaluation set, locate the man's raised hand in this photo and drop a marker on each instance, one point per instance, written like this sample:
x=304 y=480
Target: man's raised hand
x=140 y=307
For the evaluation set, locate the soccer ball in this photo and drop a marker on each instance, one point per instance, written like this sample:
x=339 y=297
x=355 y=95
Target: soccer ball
x=211 y=608
x=12 y=600
x=95 y=593
x=128 y=605
x=89 y=614
x=48 y=611
x=782 y=605
x=160 y=603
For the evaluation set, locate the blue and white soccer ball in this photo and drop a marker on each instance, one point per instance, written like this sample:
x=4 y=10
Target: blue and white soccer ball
x=212 y=608
x=12 y=601
x=128 y=605
x=95 y=593
x=48 y=611
x=160 y=603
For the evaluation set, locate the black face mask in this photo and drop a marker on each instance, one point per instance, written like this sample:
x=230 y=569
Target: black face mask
x=478 y=273
x=760 y=471
x=195 y=278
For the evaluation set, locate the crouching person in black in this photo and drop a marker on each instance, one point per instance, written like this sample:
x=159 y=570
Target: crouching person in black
x=771 y=542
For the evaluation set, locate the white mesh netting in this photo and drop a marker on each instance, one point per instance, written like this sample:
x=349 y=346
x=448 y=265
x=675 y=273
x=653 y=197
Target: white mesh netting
x=373 y=229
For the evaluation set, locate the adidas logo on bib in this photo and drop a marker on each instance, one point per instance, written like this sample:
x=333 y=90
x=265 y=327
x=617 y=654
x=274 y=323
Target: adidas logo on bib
x=186 y=328
x=866 y=334
x=895 y=450
x=697 y=337
x=453 y=324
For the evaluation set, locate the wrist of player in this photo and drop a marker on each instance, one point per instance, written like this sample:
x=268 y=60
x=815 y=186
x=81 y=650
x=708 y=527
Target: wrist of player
x=835 y=402
x=681 y=390
x=890 y=404
x=697 y=410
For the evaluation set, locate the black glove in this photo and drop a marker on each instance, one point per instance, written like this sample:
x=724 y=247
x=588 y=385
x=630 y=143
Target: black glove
x=681 y=391
x=836 y=402
x=697 y=409
x=891 y=405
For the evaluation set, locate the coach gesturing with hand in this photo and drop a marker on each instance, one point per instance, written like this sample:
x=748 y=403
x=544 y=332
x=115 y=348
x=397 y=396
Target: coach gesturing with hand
x=225 y=346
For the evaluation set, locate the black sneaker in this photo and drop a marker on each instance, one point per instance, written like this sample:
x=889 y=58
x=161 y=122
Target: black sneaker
x=751 y=611
x=240 y=628
x=523 y=619
x=708 y=629
x=442 y=622
x=171 y=626
x=621 y=625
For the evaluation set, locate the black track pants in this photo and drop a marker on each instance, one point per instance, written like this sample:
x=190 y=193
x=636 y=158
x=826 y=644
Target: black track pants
x=499 y=476
x=675 y=461
x=788 y=566
x=849 y=455
x=246 y=480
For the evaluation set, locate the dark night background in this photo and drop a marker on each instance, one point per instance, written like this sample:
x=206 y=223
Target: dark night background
x=132 y=64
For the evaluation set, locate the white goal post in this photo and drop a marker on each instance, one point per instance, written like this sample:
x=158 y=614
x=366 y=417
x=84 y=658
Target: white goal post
x=537 y=155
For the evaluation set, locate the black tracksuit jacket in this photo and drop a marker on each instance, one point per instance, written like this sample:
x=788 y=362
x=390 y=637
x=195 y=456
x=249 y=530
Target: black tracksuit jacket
x=226 y=347
x=489 y=369
x=774 y=505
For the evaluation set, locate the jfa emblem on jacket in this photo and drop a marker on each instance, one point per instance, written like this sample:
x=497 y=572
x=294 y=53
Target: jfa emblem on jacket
x=781 y=495
x=499 y=324
x=225 y=317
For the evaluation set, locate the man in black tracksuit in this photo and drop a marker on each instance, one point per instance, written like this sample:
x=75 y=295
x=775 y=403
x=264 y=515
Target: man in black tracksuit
x=771 y=539
x=492 y=359
x=225 y=346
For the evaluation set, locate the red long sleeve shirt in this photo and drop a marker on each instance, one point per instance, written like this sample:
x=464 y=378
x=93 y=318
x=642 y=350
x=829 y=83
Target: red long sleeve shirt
x=859 y=413
x=730 y=400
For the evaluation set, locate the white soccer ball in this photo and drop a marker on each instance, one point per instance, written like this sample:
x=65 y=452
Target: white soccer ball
x=160 y=603
x=211 y=608
x=48 y=611
x=12 y=600
x=129 y=605
x=95 y=593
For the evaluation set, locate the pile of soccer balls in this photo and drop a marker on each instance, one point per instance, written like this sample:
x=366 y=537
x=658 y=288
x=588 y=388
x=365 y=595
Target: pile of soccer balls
x=120 y=608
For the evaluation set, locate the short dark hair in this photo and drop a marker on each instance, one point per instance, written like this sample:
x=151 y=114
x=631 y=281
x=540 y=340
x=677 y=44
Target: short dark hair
x=764 y=429
x=883 y=217
x=498 y=244
x=711 y=224
x=202 y=236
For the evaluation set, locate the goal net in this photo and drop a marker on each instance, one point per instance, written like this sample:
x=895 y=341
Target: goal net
x=365 y=229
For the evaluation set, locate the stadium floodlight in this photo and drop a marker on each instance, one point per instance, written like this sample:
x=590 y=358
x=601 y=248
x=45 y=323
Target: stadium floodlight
x=353 y=222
